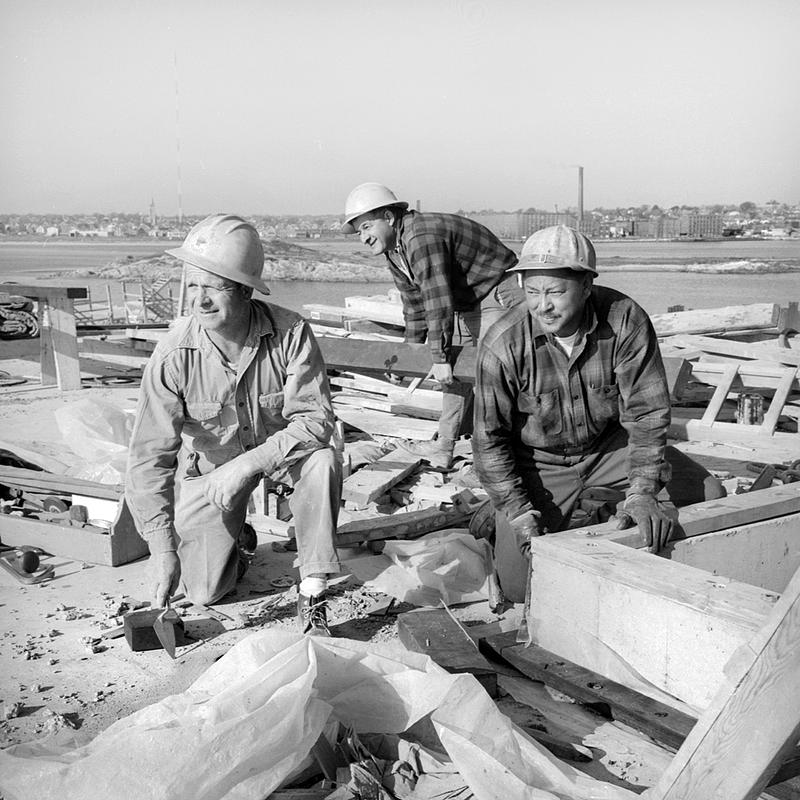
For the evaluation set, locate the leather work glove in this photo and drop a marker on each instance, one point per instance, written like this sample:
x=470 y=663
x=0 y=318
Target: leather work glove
x=525 y=527
x=441 y=373
x=655 y=525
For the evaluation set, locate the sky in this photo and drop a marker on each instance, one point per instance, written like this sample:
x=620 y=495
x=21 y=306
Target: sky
x=265 y=107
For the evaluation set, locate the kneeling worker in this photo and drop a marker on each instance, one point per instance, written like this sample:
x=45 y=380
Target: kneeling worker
x=571 y=393
x=452 y=276
x=233 y=392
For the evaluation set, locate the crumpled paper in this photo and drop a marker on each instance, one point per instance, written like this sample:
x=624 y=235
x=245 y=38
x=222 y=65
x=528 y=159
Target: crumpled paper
x=253 y=716
x=449 y=566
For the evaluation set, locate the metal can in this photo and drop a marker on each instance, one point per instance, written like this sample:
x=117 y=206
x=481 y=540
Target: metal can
x=750 y=409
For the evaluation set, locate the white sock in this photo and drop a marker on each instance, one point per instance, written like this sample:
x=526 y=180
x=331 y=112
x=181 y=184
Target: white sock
x=313 y=587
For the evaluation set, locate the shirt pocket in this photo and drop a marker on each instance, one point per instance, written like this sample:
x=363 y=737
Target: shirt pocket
x=270 y=407
x=603 y=402
x=542 y=416
x=205 y=415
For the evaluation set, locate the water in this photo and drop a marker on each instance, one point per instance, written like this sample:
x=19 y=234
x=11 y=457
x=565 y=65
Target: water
x=654 y=290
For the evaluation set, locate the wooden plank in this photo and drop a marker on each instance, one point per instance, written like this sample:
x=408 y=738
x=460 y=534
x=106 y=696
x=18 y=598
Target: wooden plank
x=666 y=725
x=650 y=624
x=778 y=399
x=764 y=554
x=374 y=480
x=59 y=484
x=401 y=525
x=720 y=395
x=376 y=308
x=436 y=634
x=383 y=424
x=753 y=722
x=36 y=291
x=752 y=374
x=65 y=342
x=47 y=358
x=704 y=320
x=686 y=429
x=743 y=350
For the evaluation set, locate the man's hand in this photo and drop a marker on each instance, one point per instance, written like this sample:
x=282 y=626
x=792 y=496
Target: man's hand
x=441 y=373
x=654 y=523
x=226 y=482
x=166 y=574
x=525 y=527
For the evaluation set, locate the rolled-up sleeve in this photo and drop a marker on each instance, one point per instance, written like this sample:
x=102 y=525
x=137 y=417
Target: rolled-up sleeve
x=493 y=453
x=152 y=456
x=306 y=405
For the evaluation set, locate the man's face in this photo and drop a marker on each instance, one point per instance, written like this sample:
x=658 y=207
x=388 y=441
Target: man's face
x=556 y=298
x=218 y=304
x=376 y=231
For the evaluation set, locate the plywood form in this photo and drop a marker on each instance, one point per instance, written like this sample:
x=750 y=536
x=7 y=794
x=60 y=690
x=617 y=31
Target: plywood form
x=753 y=722
x=638 y=619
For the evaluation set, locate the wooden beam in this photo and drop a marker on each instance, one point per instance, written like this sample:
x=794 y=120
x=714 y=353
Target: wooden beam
x=687 y=429
x=374 y=480
x=401 y=525
x=666 y=725
x=643 y=621
x=753 y=722
x=36 y=291
x=377 y=309
x=761 y=351
x=58 y=484
x=436 y=634
x=720 y=395
x=752 y=374
x=384 y=424
x=704 y=320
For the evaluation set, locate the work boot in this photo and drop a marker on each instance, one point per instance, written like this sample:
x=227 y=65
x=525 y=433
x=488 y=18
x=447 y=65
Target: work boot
x=246 y=544
x=312 y=615
x=438 y=453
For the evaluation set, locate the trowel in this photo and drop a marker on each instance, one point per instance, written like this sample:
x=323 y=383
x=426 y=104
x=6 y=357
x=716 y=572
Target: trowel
x=164 y=627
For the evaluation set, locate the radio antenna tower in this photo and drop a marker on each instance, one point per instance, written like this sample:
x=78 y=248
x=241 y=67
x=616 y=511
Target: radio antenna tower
x=177 y=141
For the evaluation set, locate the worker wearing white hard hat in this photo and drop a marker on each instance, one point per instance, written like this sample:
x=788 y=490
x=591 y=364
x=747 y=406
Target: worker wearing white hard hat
x=234 y=393
x=572 y=409
x=451 y=275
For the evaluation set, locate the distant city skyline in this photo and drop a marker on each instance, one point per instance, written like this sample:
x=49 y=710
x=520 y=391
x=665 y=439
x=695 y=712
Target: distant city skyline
x=271 y=108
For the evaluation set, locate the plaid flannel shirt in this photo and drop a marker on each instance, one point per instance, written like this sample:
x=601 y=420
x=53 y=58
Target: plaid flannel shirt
x=443 y=263
x=533 y=403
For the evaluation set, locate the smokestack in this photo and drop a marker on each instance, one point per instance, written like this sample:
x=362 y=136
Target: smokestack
x=580 y=196
x=419 y=205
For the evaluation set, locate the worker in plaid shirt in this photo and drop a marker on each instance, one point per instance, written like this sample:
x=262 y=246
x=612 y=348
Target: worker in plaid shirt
x=451 y=274
x=571 y=395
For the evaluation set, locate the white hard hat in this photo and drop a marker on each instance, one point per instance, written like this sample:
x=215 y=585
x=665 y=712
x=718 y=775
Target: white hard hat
x=557 y=247
x=365 y=198
x=228 y=246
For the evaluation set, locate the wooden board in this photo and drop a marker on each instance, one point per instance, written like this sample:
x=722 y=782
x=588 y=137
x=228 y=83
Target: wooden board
x=374 y=480
x=58 y=484
x=664 y=724
x=383 y=424
x=743 y=350
x=378 y=309
x=750 y=436
x=705 y=320
x=643 y=621
x=401 y=525
x=751 y=375
x=753 y=722
x=35 y=291
x=436 y=634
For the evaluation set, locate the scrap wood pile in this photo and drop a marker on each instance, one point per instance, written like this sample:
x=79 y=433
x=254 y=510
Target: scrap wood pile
x=743 y=385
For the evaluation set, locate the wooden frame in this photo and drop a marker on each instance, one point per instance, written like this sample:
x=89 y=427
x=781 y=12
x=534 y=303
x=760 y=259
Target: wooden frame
x=58 y=351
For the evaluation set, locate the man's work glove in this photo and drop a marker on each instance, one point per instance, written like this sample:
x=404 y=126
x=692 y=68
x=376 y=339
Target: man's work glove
x=525 y=527
x=166 y=574
x=441 y=373
x=655 y=525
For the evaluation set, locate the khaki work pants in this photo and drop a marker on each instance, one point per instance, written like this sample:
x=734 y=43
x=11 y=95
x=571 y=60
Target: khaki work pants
x=208 y=536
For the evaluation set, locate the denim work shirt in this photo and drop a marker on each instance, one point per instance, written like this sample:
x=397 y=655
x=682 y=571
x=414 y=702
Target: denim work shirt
x=276 y=407
x=535 y=404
